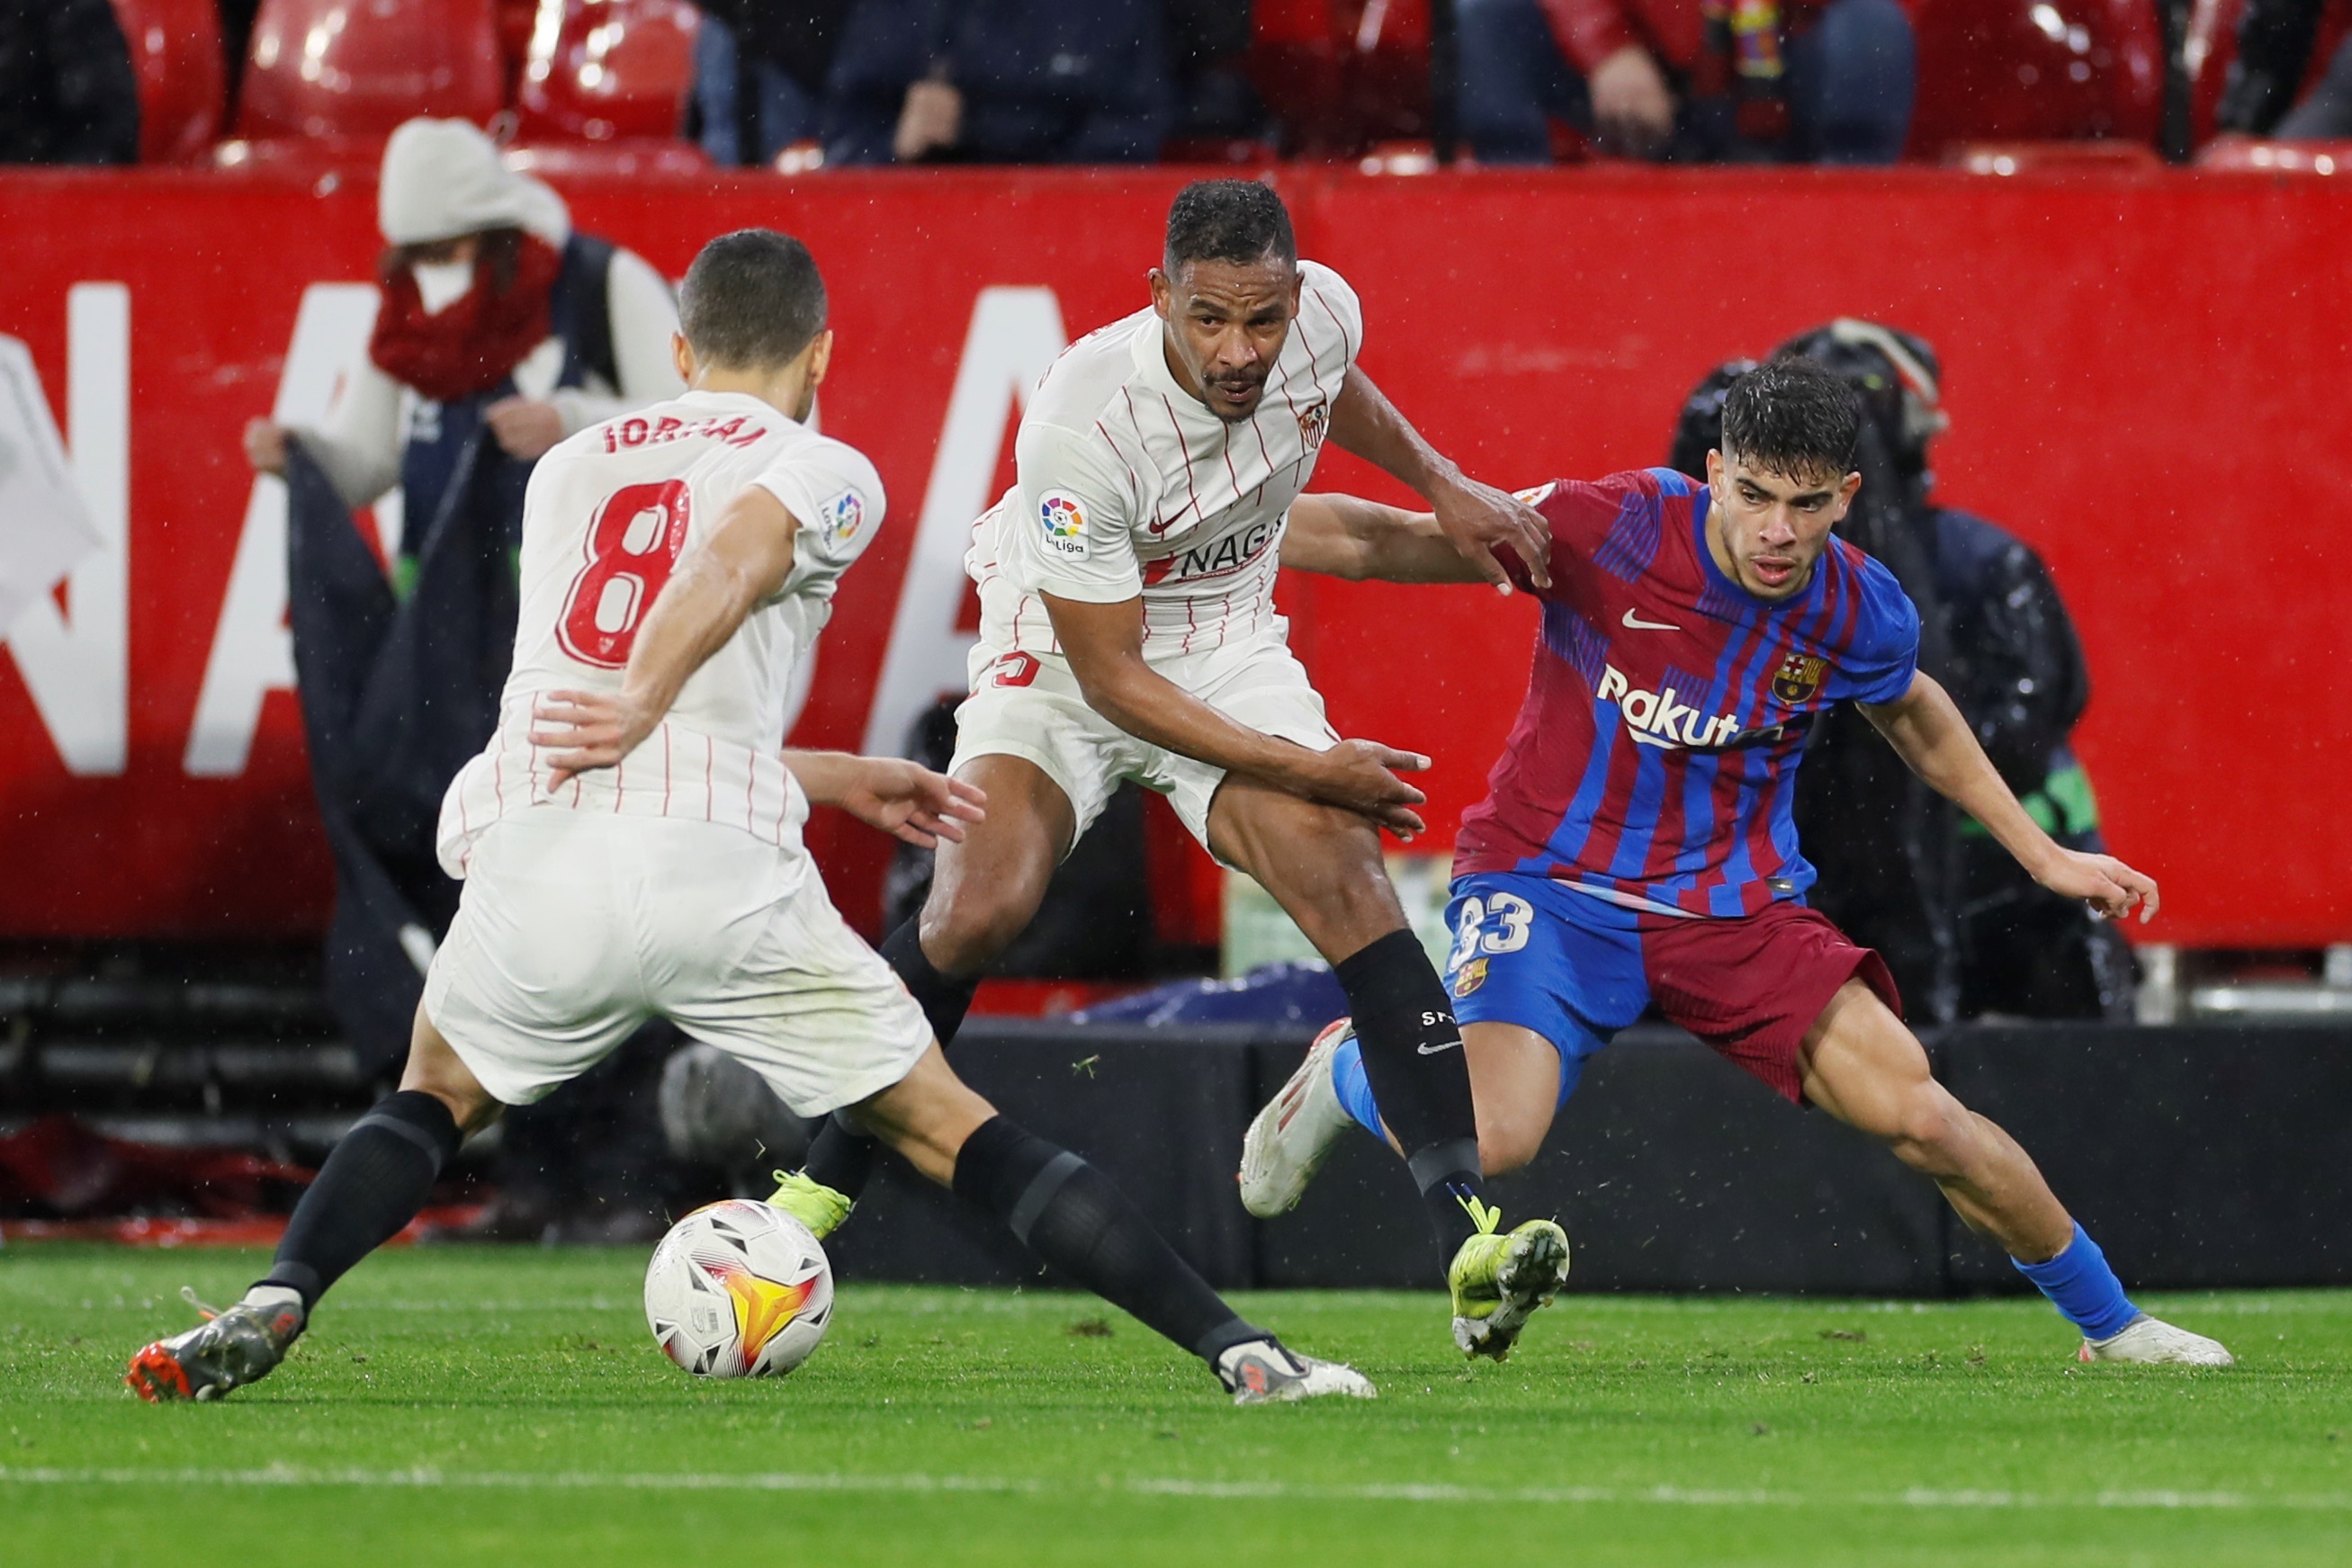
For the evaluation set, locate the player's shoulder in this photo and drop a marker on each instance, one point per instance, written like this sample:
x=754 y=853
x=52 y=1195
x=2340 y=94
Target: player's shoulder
x=1325 y=296
x=1603 y=499
x=1885 y=619
x=1091 y=377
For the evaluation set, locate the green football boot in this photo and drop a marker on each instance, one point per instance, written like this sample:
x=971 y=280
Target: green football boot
x=1499 y=1278
x=810 y=1202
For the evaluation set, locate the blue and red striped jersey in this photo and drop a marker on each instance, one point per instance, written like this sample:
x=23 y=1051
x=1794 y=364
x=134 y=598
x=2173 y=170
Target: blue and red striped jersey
x=1653 y=762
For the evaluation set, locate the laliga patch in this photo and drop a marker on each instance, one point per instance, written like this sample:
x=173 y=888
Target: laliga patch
x=842 y=517
x=1470 y=977
x=1535 y=498
x=1065 y=523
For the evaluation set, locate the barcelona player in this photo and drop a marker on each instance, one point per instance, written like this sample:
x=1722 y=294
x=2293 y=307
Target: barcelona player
x=1635 y=845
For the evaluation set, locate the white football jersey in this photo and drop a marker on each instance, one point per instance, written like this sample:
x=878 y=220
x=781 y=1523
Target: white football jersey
x=1129 y=484
x=608 y=514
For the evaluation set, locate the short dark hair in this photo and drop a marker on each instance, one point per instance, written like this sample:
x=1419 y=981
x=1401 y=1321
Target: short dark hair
x=1796 y=417
x=752 y=300
x=1228 y=220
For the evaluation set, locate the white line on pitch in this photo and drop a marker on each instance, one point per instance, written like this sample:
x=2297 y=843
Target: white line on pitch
x=1153 y=1486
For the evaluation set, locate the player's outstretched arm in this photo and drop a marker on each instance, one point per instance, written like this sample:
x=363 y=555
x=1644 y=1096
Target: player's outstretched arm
x=1104 y=643
x=716 y=584
x=902 y=798
x=1342 y=536
x=1477 y=518
x=1928 y=732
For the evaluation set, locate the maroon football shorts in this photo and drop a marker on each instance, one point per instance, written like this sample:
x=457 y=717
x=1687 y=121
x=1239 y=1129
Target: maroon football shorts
x=1753 y=986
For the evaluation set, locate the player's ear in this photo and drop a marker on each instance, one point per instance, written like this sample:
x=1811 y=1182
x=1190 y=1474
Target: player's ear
x=819 y=355
x=681 y=356
x=1163 y=292
x=1846 y=492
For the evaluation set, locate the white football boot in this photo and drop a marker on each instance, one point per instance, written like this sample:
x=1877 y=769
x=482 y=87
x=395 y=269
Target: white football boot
x=2152 y=1341
x=1264 y=1371
x=1293 y=1135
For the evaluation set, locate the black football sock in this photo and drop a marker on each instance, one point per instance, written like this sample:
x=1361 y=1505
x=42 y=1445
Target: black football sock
x=1072 y=1217
x=841 y=1155
x=371 y=1184
x=944 y=999
x=1414 y=1062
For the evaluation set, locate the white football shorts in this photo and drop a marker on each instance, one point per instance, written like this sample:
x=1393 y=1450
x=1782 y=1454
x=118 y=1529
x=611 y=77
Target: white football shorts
x=576 y=927
x=1029 y=706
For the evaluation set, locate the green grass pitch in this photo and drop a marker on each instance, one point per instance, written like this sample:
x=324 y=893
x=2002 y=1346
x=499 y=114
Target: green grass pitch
x=507 y=1406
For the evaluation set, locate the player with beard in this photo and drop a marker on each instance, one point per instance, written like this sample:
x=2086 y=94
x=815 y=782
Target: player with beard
x=1635 y=845
x=1128 y=632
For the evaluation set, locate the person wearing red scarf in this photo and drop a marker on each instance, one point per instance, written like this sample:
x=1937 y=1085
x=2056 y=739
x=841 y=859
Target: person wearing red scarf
x=474 y=275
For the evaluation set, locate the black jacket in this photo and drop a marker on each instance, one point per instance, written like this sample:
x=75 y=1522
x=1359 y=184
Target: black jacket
x=67 y=92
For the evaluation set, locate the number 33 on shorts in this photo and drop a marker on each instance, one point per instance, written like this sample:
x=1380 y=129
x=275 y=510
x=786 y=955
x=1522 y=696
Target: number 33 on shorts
x=1485 y=927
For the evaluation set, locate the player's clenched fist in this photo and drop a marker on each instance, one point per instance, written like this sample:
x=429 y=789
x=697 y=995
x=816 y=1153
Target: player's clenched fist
x=2104 y=882
x=1361 y=775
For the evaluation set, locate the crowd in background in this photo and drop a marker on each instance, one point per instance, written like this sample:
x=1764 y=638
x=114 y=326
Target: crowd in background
x=863 y=82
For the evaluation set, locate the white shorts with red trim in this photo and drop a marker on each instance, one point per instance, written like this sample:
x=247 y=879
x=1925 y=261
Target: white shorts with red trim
x=1029 y=705
x=576 y=927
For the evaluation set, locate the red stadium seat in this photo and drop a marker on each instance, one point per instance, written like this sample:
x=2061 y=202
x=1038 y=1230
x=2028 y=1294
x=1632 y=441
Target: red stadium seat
x=175 y=52
x=2035 y=70
x=359 y=67
x=607 y=70
x=1342 y=75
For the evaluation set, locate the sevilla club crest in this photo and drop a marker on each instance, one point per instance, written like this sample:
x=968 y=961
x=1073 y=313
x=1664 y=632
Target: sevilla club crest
x=1313 y=421
x=1799 y=677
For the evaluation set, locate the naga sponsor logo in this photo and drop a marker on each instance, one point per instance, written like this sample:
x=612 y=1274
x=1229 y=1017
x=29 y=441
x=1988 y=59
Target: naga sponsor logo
x=1660 y=719
x=1214 y=558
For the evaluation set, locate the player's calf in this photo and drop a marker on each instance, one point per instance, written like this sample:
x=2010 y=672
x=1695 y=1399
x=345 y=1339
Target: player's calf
x=1075 y=1219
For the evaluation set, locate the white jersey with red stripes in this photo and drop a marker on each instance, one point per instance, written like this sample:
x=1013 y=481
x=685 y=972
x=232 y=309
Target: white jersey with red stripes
x=607 y=516
x=1130 y=486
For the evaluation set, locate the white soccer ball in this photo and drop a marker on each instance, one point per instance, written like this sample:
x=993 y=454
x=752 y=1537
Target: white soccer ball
x=739 y=1289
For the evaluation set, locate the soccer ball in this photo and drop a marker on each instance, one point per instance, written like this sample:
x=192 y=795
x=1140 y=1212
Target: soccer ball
x=739 y=1289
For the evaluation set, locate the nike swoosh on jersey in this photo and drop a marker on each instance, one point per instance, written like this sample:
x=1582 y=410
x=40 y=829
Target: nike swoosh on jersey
x=1634 y=621
x=1439 y=1049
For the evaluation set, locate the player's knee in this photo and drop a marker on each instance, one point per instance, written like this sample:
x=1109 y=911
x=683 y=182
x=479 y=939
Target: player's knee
x=965 y=926
x=1930 y=1130
x=1505 y=1145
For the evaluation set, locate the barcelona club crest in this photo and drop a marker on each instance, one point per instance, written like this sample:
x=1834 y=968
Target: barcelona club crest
x=1799 y=677
x=1469 y=977
x=1313 y=421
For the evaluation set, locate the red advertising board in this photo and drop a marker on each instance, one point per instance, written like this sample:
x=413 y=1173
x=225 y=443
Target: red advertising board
x=2147 y=374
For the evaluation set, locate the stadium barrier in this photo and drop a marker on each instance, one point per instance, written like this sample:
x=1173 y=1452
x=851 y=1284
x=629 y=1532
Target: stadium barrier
x=2140 y=363
x=2200 y=1157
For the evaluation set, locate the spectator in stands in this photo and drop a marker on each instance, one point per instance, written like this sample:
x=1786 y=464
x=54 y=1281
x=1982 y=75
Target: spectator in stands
x=67 y=92
x=759 y=74
x=496 y=314
x=1687 y=79
x=1000 y=81
x=2275 y=38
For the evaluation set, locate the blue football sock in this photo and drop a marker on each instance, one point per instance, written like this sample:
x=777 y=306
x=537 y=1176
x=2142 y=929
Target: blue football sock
x=1355 y=1089
x=2083 y=1288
